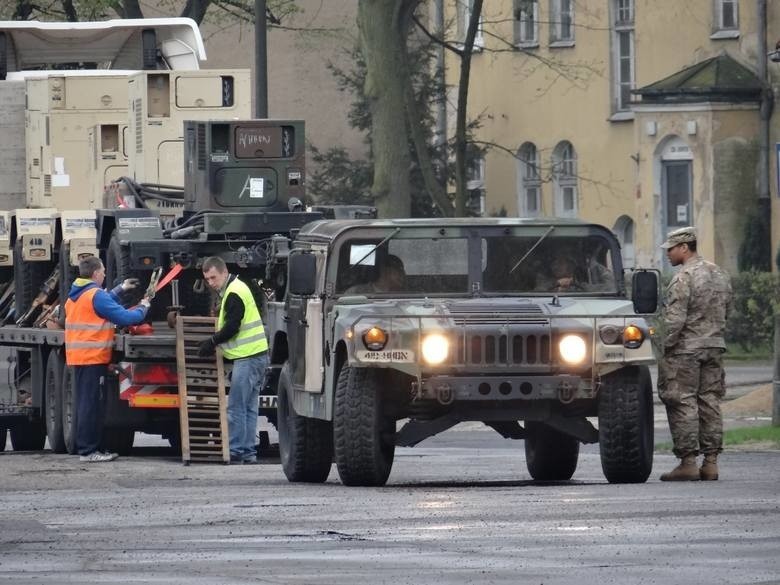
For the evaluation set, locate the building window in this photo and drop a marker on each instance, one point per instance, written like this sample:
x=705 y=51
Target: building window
x=623 y=54
x=475 y=181
x=526 y=23
x=565 y=179
x=562 y=22
x=465 y=9
x=530 y=181
x=726 y=15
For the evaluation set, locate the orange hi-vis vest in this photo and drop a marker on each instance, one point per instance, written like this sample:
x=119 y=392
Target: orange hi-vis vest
x=89 y=339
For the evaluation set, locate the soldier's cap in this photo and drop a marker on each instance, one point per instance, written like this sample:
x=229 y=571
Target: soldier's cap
x=679 y=236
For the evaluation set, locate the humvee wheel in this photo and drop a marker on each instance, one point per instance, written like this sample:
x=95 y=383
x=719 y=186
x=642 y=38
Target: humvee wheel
x=53 y=411
x=626 y=425
x=364 y=438
x=550 y=455
x=69 y=409
x=305 y=444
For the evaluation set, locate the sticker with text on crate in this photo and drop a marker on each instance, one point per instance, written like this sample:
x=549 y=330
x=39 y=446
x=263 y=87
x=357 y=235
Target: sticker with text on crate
x=387 y=355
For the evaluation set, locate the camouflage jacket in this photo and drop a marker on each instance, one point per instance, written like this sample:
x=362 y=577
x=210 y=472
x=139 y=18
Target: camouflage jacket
x=695 y=308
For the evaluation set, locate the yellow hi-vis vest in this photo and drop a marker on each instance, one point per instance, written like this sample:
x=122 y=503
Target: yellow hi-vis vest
x=250 y=339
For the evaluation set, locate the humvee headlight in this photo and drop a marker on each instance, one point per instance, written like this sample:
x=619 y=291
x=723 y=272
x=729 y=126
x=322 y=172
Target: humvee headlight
x=573 y=349
x=375 y=339
x=435 y=348
x=633 y=337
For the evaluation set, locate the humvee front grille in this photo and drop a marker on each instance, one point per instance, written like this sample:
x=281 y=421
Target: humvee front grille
x=506 y=350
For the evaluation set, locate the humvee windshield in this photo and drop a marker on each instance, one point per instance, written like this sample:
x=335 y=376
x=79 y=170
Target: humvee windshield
x=558 y=264
x=509 y=264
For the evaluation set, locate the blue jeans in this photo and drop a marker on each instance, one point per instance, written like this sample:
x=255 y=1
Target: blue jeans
x=243 y=402
x=89 y=407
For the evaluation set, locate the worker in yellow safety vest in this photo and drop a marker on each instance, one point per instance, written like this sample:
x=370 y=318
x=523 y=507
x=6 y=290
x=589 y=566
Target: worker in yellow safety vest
x=90 y=316
x=241 y=337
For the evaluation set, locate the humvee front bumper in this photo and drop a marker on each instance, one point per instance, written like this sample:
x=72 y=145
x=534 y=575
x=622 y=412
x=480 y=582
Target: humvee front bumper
x=447 y=389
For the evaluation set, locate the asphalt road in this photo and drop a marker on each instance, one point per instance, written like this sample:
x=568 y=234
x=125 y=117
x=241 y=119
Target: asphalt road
x=458 y=509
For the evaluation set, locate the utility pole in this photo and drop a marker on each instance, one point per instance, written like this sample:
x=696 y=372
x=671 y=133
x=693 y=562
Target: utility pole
x=261 y=60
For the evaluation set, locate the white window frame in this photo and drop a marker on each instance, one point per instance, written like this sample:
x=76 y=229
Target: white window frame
x=521 y=22
x=623 y=27
x=464 y=16
x=529 y=179
x=556 y=23
x=720 y=9
x=565 y=178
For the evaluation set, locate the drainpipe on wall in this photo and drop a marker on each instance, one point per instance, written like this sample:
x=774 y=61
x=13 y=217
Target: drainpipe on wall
x=765 y=113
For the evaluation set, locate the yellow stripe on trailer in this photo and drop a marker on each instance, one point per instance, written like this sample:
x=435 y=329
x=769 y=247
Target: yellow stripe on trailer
x=154 y=400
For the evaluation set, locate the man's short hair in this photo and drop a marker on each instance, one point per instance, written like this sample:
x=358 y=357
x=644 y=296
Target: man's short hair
x=214 y=262
x=89 y=265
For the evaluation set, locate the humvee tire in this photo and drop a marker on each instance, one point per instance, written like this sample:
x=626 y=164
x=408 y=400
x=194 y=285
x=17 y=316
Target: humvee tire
x=364 y=438
x=305 y=444
x=28 y=278
x=550 y=455
x=69 y=408
x=54 y=430
x=626 y=425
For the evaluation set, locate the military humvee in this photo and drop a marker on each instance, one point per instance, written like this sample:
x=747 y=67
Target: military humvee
x=481 y=324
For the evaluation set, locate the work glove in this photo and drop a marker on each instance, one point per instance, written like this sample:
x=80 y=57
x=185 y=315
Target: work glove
x=145 y=303
x=206 y=347
x=130 y=284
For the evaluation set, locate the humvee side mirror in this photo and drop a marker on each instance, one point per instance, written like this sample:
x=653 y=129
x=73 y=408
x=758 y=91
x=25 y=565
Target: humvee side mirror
x=303 y=274
x=644 y=291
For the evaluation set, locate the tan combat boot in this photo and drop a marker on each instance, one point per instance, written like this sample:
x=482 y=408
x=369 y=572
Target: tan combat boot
x=687 y=470
x=709 y=468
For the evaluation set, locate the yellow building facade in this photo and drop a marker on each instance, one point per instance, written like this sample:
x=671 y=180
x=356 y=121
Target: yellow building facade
x=642 y=115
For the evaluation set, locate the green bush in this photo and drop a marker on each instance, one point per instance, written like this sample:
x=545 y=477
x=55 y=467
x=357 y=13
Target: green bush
x=756 y=302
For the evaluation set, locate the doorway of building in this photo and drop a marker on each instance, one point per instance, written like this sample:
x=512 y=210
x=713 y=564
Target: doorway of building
x=677 y=194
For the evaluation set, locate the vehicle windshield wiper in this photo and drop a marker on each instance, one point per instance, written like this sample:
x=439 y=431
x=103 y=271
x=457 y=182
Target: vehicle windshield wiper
x=375 y=248
x=527 y=254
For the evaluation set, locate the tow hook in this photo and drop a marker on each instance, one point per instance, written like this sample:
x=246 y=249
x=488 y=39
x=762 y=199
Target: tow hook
x=566 y=392
x=444 y=394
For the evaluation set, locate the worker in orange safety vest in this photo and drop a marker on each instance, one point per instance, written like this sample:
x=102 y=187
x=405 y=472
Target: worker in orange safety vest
x=90 y=316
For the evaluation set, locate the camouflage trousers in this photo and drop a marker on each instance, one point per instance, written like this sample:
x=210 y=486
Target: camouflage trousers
x=691 y=387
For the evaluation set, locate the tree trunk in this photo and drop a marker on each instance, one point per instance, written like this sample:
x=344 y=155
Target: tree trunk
x=461 y=195
x=437 y=192
x=196 y=9
x=381 y=38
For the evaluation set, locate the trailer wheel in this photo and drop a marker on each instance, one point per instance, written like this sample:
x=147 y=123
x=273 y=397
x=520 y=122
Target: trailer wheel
x=364 y=437
x=28 y=278
x=3 y=438
x=305 y=444
x=550 y=455
x=54 y=397
x=29 y=435
x=69 y=409
x=119 y=440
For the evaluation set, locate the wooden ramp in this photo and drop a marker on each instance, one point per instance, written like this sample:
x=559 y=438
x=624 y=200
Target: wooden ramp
x=202 y=401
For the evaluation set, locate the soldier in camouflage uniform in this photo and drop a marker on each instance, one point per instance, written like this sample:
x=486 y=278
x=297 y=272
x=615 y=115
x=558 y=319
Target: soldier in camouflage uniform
x=690 y=381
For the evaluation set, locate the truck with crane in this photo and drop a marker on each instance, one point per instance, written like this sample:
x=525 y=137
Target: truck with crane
x=133 y=153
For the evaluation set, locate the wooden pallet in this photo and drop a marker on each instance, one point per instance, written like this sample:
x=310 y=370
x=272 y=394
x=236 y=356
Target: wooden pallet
x=202 y=401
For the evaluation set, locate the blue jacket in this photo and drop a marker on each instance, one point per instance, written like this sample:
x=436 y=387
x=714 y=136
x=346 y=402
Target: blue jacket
x=106 y=304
